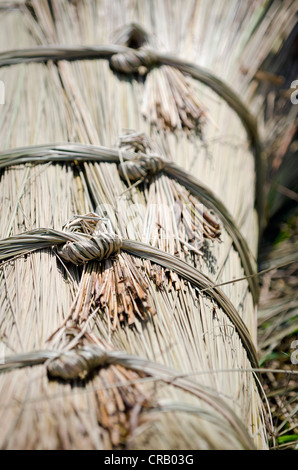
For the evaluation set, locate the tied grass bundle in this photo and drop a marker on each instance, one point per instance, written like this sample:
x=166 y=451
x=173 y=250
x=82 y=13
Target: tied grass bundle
x=85 y=102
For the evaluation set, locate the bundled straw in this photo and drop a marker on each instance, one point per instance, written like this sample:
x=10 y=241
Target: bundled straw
x=138 y=346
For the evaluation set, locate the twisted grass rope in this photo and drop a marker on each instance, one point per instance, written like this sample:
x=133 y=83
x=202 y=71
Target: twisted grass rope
x=137 y=167
x=78 y=363
x=77 y=252
x=129 y=60
x=77 y=248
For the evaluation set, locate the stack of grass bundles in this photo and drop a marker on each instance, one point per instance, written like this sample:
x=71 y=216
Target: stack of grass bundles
x=128 y=183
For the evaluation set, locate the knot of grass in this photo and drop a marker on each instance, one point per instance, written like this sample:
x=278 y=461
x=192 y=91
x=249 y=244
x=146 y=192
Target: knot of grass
x=90 y=243
x=132 y=61
x=77 y=363
x=141 y=167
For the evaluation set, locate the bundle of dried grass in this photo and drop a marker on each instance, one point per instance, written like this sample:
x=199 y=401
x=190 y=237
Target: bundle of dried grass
x=155 y=324
x=169 y=102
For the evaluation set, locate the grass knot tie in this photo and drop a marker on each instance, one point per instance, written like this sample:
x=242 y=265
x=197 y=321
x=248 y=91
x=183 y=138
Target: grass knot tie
x=77 y=363
x=141 y=167
x=88 y=240
x=132 y=61
x=86 y=248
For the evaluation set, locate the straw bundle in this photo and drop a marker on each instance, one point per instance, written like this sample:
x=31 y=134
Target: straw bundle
x=127 y=207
